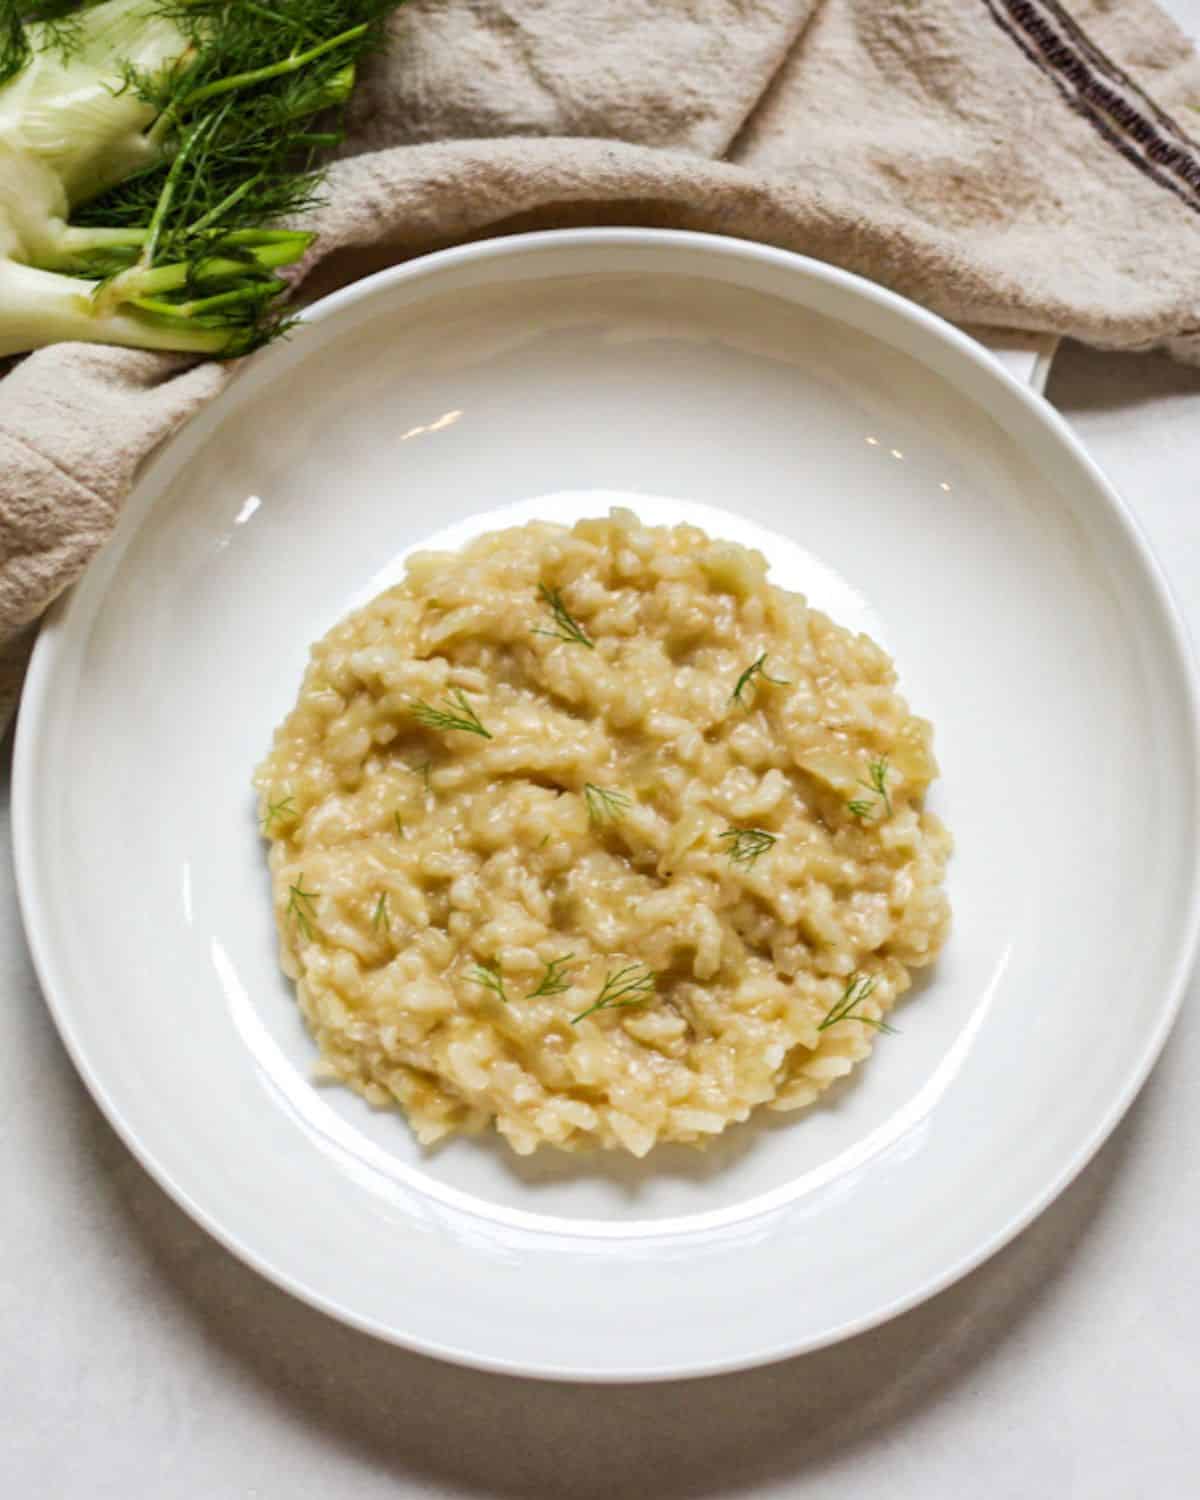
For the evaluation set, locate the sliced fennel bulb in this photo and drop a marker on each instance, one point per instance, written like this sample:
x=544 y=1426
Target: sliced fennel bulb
x=146 y=147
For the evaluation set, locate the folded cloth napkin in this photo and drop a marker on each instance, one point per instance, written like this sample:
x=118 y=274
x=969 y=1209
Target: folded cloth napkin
x=1009 y=162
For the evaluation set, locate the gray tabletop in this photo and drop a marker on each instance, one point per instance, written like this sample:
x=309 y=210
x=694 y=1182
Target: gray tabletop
x=139 y=1359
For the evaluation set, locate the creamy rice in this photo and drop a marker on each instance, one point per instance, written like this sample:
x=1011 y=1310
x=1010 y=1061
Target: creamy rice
x=664 y=782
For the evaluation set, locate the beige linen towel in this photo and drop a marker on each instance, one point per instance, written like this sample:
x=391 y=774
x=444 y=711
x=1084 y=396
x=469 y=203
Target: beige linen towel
x=1005 y=162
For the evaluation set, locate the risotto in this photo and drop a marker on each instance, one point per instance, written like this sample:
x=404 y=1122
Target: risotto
x=596 y=835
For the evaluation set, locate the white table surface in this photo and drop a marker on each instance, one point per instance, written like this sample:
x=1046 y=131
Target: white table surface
x=139 y=1360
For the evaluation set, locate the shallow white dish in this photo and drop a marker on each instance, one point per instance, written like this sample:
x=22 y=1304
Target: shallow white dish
x=891 y=471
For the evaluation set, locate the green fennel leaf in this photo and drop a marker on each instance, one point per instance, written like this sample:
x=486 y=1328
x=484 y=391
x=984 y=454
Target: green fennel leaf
x=552 y=981
x=745 y=682
x=747 y=845
x=632 y=985
x=605 y=804
x=877 y=782
x=488 y=975
x=878 y=773
x=300 y=906
x=858 y=988
x=284 y=808
x=566 y=626
x=460 y=715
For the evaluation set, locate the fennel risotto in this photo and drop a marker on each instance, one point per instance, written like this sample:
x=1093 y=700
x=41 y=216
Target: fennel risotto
x=596 y=834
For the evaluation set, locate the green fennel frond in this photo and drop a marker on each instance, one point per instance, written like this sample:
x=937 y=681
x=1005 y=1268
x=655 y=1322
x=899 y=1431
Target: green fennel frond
x=552 y=981
x=460 y=715
x=605 y=804
x=566 y=626
x=747 y=845
x=745 y=682
x=858 y=988
x=632 y=985
x=284 y=808
x=381 y=919
x=878 y=773
x=300 y=906
x=488 y=975
x=877 y=782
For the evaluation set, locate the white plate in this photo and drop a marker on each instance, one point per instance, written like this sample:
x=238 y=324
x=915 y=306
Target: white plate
x=891 y=470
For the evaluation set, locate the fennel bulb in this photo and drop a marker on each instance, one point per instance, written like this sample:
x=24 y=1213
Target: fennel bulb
x=146 y=148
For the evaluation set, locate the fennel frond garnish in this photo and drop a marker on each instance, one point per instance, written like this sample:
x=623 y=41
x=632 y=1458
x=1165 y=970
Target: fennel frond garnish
x=381 y=919
x=460 y=715
x=858 y=988
x=605 y=804
x=489 y=976
x=552 y=981
x=566 y=626
x=745 y=682
x=300 y=906
x=148 y=151
x=284 y=808
x=877 y=783
x=632 y=985
x=747 y=845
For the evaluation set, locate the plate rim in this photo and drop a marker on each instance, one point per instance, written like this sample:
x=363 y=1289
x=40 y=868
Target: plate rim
x=53 y=644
